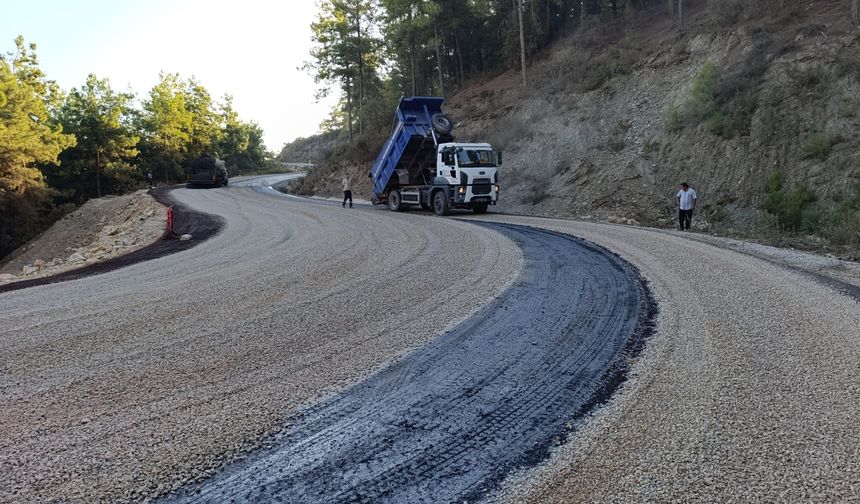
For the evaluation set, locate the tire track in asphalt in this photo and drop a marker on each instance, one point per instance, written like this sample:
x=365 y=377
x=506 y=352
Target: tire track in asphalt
x=449 y=421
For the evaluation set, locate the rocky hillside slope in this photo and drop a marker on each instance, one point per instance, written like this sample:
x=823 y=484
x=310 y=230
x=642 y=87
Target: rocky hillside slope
x=611 y=124
x=614 y=118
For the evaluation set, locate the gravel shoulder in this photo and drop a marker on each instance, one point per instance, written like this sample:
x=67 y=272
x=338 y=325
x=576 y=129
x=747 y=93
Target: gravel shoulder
x=123 y=385
x=749 y=391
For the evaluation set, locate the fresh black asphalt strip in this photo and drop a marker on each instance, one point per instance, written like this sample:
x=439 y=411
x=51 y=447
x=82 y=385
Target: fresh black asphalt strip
x=449 y=421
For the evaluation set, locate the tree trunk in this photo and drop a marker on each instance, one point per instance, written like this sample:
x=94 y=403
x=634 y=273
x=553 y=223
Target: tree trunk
x=855 y=10
x=439 y=58
x=671 y=7
x=360 y=75
x=349 y=106
x=681 y=13
x=460 y=59
x=522 y=41
x=98 y=174
x=412 y=63
x=548 y=24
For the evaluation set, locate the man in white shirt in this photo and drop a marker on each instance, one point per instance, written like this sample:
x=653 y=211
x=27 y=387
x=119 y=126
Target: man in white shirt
x=686 y=204
x=346 y=184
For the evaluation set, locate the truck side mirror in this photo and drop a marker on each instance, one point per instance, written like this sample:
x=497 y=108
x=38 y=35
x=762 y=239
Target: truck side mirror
x=499 y=157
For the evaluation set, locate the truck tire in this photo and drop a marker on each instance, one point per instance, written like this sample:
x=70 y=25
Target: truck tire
x=394 y=201
x=440 y=203
x=442 y=123
x=479 y=208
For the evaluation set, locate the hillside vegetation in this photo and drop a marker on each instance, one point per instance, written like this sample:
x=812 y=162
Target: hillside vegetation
x=757 y=106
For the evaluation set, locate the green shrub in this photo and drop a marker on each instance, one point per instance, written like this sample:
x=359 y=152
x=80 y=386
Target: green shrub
x=720 y=125
x=793 y=210
x=613 y=62
x=843 y=225
x=847 y=107
x=719 y=214
x=672 y=119
x=702 y=101
x=712 y=100
x=817 y=146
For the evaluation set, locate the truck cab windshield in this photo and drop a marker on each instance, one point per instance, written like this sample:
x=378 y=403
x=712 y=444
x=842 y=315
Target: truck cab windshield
x=476 y=158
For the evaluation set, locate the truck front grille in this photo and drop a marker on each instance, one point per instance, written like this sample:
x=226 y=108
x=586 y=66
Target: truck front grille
x=481 y=186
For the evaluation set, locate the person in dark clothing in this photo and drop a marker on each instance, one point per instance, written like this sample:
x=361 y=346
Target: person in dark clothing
x=686 y=199
x=149 y=178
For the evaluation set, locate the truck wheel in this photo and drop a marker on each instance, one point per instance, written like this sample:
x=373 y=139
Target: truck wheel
x=440 y=203
x=394 y=201
x=479 y=208
x=442 y=123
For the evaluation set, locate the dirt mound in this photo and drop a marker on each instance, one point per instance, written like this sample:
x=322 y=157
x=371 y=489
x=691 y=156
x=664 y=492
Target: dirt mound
x=101 y=229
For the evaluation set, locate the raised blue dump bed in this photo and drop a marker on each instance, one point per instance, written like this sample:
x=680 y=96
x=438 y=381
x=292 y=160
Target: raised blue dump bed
x=412 y=139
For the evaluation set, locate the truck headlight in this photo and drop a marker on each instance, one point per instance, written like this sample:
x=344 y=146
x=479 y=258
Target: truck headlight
x=498 y=189
x=462 y=190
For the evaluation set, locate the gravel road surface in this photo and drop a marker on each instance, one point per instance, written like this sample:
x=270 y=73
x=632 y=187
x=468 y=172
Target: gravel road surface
x=748 y=392
x=126 y=384
x=447 y=422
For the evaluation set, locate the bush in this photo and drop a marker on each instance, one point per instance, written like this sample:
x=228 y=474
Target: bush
x=817 y=146
x=725 y=101
x=613 y=62
x=673 y=120
x=793 y=210
x=842 y=226
x=847 y=107
x=703 y=104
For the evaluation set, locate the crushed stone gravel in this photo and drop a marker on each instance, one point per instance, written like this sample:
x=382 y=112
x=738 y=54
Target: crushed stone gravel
x=748 y=392
x=125 y=385
x=101 y=229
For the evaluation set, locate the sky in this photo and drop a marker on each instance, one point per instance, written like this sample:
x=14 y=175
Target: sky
x=250 y=49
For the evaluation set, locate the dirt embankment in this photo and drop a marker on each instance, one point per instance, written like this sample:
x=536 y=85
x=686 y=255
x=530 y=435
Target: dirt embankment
x=616 y=116
x=101 y=229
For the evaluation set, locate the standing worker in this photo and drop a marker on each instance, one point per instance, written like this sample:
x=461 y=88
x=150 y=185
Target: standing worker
x=347 y=188
x=686 y=198
x=149 y=178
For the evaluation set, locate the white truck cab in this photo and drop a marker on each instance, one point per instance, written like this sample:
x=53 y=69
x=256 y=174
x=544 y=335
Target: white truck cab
x=472 y=170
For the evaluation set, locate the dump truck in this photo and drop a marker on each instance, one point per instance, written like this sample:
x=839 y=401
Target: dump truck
x=422 y=165
x=206 y=170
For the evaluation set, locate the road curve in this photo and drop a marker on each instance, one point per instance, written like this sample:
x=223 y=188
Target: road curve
x=451 y=419
x=749 y=391
x=124 y=385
